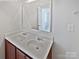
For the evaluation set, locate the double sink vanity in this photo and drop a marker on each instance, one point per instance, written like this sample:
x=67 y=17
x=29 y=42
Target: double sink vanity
x=29 y=45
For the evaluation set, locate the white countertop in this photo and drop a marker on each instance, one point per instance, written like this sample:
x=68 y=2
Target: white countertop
x=22 y=42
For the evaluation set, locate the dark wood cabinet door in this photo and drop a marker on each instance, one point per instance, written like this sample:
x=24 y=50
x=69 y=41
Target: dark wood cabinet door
x=19 y=54
x=10 y=50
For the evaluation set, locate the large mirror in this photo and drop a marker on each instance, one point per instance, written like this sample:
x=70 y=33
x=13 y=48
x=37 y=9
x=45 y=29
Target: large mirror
x=37 y=15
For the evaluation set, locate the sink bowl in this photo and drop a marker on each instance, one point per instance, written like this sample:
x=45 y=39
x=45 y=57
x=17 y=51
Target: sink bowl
x=37 y=48
x=26 y=34
x=34 y=45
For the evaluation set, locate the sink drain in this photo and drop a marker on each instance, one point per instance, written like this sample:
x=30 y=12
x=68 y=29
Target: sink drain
x=24 y=33
x=39 y=39
x=37 y=48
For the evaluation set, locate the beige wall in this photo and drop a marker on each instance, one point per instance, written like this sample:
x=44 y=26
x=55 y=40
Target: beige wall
x=9 y=21
x=66 y=41
x=9 y=0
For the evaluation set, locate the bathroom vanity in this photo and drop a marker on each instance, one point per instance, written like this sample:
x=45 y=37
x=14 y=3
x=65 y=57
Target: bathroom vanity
x=12 y=52
x=18 y=46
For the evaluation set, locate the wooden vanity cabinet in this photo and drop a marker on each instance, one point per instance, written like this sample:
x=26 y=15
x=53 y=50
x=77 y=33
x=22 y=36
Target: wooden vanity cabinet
x=20 y=55
x=27 y=57
x=50 y=55
x=12 y=52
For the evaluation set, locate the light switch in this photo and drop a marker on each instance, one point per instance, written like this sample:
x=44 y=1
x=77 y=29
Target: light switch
x=70 y=27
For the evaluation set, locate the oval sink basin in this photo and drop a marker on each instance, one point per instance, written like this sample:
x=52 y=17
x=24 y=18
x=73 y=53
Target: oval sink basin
x=36 y=48
x=34 y=45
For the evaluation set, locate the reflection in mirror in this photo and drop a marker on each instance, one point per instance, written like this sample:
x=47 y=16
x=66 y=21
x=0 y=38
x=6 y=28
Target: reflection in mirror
x=37 y=15
x=44 y=19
